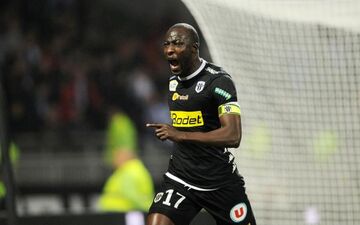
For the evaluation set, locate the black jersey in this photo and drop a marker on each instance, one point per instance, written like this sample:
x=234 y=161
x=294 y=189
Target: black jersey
x=195 y=103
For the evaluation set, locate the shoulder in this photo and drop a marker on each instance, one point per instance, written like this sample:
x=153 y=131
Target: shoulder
x=221 y=83
x=215 y=72
x=216 y=75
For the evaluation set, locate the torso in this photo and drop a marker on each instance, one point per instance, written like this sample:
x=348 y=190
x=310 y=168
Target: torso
x=193 y=107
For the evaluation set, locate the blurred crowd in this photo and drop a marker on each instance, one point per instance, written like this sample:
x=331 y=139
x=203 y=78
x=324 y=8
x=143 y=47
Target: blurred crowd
x=64 y=63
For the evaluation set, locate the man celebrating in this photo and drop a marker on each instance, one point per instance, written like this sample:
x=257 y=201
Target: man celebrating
x=205 y=121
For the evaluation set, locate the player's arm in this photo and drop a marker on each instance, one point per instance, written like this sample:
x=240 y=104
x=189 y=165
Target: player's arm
x=228 y=135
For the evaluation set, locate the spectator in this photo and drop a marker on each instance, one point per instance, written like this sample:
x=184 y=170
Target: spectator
x=130 y=187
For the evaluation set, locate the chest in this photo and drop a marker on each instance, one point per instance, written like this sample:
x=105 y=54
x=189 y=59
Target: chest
x=189 y=96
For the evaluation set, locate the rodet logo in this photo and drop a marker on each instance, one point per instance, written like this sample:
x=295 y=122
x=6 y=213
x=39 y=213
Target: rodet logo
x=186 y=118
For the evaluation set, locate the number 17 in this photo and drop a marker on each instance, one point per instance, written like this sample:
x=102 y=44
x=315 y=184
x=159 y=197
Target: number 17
x=168 y=198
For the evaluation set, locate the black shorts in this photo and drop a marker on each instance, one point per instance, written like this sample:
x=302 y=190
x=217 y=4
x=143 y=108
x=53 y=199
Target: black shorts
x=228 y=205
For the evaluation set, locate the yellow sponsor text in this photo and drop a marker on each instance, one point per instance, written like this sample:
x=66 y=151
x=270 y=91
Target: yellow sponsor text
x=176 y=96
x=186 y=118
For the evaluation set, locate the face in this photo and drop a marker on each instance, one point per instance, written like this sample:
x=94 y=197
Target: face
x=178 y=51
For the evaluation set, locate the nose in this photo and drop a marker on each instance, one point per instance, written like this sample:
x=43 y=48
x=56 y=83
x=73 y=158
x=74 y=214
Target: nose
x=169 y=50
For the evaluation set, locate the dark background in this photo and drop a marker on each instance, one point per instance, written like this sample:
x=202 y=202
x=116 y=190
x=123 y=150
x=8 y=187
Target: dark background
x=63 y=65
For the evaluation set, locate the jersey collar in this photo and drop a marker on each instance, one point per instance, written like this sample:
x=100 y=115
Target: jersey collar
x=203 y=63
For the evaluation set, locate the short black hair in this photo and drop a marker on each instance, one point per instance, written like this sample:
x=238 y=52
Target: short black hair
x=193 y=34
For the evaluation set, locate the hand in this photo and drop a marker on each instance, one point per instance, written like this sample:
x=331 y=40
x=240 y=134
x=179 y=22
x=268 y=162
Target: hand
x=165 y=132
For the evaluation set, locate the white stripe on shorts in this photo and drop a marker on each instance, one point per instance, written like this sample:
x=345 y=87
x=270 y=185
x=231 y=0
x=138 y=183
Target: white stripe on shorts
x=175 y=178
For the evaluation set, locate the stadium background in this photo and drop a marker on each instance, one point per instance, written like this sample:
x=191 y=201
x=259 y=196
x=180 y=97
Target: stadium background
x=63 y=64
x=296 y=65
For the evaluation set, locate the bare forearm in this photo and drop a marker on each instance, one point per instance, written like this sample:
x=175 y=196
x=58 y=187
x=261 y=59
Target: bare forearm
x=228 y=135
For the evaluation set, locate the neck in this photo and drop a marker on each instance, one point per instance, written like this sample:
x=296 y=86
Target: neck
x=197 y=66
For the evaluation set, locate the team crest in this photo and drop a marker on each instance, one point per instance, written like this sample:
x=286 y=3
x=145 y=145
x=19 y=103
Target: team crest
x=227 y=108
x=158 y=196
x=238 y=212
x=172 y=85
x=199 y=86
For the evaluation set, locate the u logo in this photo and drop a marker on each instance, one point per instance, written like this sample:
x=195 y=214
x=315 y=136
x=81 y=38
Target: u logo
x=238 y=212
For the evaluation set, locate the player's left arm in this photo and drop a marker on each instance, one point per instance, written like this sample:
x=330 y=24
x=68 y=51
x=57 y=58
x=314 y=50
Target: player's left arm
x=227 y=135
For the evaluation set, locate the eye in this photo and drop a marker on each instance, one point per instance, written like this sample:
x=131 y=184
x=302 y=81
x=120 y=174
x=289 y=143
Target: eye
x=166 y=43
x=178 y=43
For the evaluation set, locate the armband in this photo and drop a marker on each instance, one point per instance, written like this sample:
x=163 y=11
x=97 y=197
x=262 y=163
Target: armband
x=229 y=108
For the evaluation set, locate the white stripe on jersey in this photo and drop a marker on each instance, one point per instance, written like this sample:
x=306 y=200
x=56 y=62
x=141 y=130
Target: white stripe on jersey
x=203 y=63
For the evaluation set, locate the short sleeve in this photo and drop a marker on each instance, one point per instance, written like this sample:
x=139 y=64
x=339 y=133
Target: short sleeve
x=223 y=90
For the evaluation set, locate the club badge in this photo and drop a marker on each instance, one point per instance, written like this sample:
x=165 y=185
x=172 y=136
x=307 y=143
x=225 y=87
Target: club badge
x=199 y=86
x=172 y=85
x=158 y=197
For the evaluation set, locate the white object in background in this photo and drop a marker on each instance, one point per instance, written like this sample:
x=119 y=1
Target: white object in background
x=134 y=218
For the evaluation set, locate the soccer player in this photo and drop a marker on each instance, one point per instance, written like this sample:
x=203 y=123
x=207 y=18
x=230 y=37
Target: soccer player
x=205 y=122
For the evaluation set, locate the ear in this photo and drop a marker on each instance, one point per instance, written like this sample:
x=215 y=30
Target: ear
x=196 y=45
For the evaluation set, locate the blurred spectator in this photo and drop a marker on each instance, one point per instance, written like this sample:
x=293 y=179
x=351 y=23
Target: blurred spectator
x=130 y=187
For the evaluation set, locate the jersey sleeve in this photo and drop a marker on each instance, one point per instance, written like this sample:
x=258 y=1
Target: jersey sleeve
x=224 y=93
x=223 y=90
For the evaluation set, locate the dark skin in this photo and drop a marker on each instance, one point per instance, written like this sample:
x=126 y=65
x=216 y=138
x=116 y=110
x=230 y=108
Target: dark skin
x=181 y=49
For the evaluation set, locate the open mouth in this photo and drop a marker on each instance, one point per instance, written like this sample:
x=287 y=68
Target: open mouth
x=174 y=65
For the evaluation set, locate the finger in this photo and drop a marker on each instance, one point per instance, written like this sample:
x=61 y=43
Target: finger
x=159 y=134
x=156 y=125
x=163 y=137
x=158 y=130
